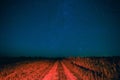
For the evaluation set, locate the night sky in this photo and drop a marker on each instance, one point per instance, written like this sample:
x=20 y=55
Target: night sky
x=57 y=28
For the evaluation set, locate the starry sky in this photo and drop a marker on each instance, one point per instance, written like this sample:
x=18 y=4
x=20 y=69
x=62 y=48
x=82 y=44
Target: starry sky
x=58 y=28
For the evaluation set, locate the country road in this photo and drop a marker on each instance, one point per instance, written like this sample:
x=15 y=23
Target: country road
x=38 y=71
x=65 y=69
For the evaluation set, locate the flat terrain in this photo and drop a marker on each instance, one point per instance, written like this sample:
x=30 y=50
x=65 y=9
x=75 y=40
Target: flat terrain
x=105 y=68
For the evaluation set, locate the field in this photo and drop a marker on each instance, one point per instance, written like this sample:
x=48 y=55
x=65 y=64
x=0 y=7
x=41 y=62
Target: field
x=72 y=68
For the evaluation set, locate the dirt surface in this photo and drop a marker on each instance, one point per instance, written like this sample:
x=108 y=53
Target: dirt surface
x=68 y=69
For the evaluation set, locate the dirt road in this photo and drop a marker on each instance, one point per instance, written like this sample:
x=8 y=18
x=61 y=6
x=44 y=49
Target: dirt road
x=39 y=70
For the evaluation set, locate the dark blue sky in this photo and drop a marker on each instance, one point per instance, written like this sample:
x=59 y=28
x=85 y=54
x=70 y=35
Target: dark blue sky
x=59 y=27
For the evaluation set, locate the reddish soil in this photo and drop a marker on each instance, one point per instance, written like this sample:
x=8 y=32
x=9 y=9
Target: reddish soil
x=66 y=69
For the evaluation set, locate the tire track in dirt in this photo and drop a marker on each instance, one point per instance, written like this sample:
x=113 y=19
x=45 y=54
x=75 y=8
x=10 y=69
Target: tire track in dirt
x=34 y=72
x=38 y=74
x=51 y=75
x=68 y=74
x=45 y=72
x=61 y=74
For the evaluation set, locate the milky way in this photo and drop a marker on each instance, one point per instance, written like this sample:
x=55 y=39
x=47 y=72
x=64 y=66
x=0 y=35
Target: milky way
x=59 y=27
